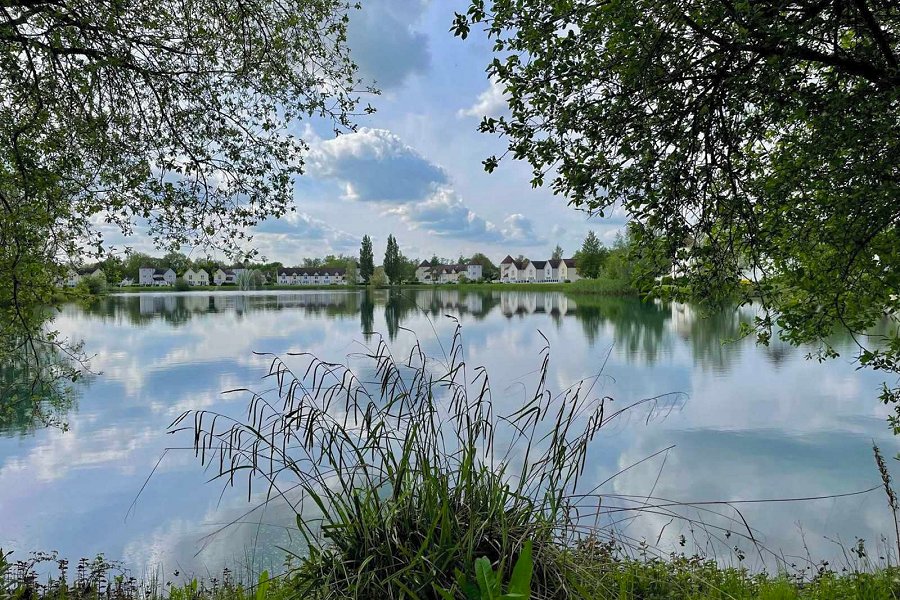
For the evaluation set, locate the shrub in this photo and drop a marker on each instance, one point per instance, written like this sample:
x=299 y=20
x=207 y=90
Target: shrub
x=406 y=471
x=92 y=285
x=181 y=285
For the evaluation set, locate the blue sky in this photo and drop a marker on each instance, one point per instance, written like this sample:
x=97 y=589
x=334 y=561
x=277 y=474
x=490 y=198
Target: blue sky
x=414 y=168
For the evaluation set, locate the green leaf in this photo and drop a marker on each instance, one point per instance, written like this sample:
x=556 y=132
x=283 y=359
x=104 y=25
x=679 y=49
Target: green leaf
x=486 y=579
x=262 y=587
x=520 y=580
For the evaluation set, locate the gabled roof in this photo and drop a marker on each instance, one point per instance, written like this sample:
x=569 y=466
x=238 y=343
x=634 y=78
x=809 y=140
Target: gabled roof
x=554 y=262
x=539 y=264
x=450 y=269
x=508 y=260
x=313 y=271
x=424 y=263
x=570 y=262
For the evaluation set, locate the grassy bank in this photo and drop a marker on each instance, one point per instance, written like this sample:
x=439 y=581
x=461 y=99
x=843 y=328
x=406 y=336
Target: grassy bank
x=677 y=578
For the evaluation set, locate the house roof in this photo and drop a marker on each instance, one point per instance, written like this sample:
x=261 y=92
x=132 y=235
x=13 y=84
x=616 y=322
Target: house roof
x=539 y=264
x=554 y=262
x=570 y=262
x=425 y=263
x=450 y=269
x=313 y=271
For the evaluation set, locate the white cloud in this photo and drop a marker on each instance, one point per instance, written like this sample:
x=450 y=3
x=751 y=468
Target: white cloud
x=445 y=214
x=490 y=102
x=519 y=228
x=375 y=165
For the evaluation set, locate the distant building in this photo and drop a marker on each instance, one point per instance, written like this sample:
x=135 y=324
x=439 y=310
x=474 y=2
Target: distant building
x=538 y=271
x=151 y=276
x=312 y=276
x=74 y=276
x=198 y=277
x=425 y=273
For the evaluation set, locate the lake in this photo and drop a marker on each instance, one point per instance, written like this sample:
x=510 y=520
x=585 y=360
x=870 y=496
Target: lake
x=743 y=422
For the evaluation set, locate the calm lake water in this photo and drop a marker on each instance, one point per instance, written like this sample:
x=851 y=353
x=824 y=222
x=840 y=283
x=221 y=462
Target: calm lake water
x=748 y=423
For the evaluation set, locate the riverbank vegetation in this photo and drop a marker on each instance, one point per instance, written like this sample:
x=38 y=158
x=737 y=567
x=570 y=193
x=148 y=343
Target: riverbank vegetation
x=674 y=578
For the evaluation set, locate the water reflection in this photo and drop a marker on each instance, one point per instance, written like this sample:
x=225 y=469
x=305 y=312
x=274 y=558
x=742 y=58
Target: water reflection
x=757 y=422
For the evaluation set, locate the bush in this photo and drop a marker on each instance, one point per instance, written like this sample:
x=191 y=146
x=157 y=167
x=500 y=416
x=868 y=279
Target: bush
x=92 y=285
x=406 y=478
x=181 y=285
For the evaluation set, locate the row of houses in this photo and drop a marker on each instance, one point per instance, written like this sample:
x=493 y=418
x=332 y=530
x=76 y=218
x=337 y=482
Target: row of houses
x=554 y=270
x=312 y=276
x=511 y=271
x=153 y=277
x=426 y=273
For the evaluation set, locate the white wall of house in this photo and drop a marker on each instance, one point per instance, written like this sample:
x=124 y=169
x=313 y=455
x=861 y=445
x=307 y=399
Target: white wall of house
x=423 y=274
x=72 y=278
x=145 y=275
x=529 y=273
x=219 y=277
x=509 y=272
x=474 y=272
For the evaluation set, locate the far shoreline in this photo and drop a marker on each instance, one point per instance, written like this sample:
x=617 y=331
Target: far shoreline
x=604 y=287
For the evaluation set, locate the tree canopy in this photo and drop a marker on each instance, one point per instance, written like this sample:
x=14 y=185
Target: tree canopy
x=170 y=116
x=393 y=261
x=755 y=141
x=366 y=259
x=590 y=258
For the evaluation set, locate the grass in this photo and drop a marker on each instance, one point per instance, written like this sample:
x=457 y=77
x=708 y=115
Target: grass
x=675 y=578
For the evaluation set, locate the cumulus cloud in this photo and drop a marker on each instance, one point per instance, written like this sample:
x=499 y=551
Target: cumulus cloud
x=490 y=102
x=297 y=234
x=444 y=214
x=519 y=228
x=384 y=44
x=375 y=165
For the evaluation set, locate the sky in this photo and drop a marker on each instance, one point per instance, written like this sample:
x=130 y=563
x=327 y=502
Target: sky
x=413 y=169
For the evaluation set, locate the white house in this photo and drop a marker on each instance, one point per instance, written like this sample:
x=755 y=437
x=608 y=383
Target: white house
x=198 y=277
x=312 y=276
x=425 y=273
x=568 y=271
x=228 y=276
x=150 y=276
x=538 y=271
x=74 y=276
x=512 y=270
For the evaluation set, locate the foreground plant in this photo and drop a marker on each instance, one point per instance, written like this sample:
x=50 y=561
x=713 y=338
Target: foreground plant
x=407 y=472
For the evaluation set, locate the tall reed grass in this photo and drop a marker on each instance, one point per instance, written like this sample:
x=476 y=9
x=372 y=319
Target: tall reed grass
x=407 y=470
